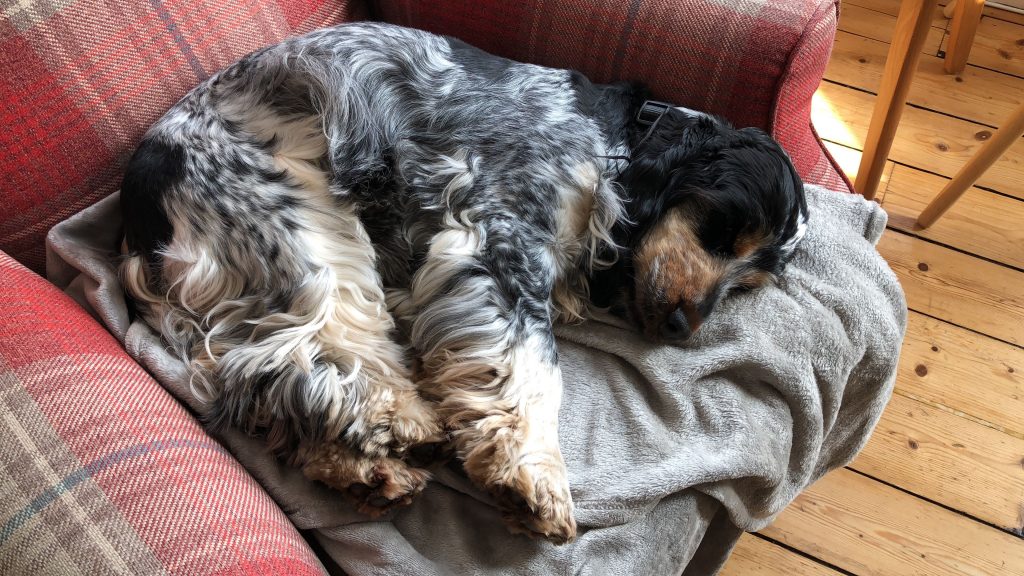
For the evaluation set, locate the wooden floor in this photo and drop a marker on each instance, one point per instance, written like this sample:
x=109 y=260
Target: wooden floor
x=939 y=489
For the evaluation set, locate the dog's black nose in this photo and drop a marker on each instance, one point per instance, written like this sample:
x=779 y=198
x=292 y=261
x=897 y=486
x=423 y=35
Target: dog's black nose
x=676 y=326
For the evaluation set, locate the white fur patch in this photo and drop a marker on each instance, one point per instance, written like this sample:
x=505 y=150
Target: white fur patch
x=801 y=229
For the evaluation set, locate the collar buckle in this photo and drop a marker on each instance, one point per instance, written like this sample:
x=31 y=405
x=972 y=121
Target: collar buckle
x=651 y=112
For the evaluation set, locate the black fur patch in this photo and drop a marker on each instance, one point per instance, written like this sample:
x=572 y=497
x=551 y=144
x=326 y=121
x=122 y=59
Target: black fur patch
x=155 y=168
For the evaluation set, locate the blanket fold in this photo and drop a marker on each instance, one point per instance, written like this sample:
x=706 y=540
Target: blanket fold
x=672 y=450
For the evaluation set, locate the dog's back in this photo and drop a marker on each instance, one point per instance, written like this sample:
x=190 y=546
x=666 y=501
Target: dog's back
x=242 y=254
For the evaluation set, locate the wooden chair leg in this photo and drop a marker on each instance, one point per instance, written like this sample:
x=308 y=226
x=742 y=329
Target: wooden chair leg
x=1006 y=136
x=907 y=42
x=947 y=10
x=966 y=18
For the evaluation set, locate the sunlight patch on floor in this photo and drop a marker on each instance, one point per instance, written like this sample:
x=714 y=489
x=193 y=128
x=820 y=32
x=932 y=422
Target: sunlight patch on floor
x=828 y=121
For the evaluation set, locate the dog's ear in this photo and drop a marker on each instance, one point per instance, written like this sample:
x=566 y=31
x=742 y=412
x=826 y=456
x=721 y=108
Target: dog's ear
x=766 y=178
x=676 y=139
x=658 y=175
x=752 y=191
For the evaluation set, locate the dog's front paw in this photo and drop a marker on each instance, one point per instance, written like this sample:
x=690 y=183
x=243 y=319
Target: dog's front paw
x=527 y=479
x=538 y=504
x=393 y=426
x=376 y=485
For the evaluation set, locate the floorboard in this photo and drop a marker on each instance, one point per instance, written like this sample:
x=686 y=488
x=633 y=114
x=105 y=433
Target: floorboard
x=879 y=25
x=957 y=463
x=957 y=287
x=981 y=222
x=892 y=7
x=925 y=139
x=870 y=529
x=997 y=46
x=979 y=95
x=963 y=372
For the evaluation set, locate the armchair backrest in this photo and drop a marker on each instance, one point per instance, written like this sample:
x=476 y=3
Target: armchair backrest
x=754 y=62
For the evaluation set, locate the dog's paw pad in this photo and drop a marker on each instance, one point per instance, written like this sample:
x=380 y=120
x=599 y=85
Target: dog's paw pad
x=393 y=485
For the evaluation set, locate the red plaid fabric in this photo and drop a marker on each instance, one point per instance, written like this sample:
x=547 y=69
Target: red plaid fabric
x=103 y=472
x=755 y=62
x=81 y=80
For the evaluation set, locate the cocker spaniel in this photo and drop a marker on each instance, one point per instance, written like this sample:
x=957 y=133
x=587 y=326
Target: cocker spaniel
x=359 y=239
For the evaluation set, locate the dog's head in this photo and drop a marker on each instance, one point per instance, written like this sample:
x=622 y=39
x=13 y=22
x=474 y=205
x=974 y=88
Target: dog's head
x=712 y=209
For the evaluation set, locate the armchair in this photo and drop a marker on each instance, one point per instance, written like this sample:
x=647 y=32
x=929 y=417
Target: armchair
x=103 y=469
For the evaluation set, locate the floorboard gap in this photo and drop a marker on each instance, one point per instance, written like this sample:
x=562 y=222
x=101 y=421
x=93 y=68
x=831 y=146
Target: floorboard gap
x=925 y=171
x=803 y=554
x=958 y=413
x=972 y=330
x=933 y=173
x=916 y=234
x=1018 y=532
x=912 y=105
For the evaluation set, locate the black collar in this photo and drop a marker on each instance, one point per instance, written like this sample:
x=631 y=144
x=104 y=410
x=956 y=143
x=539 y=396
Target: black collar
x=651 y=112
x=649 y=115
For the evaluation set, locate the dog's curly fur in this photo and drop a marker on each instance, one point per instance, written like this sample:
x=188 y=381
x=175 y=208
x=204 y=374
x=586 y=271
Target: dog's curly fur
x=289 y=215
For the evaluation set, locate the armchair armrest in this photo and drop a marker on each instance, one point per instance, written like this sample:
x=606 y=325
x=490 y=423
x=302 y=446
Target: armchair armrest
x=754 y=62
x=103 y=471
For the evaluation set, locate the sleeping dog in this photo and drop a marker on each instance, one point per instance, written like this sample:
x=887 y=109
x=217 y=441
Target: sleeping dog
x=359 y=239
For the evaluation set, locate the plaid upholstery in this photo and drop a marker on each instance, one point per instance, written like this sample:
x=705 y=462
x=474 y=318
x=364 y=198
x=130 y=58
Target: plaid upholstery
x=103 y=472
x=81 y=80
x=755 y=62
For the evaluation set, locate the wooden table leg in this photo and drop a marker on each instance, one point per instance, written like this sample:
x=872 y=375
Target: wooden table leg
x=907 y=42
x=966 y=18
x=1007 y=135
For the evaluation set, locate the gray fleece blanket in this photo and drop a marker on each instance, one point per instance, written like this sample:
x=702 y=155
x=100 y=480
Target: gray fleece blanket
x=672 y=450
